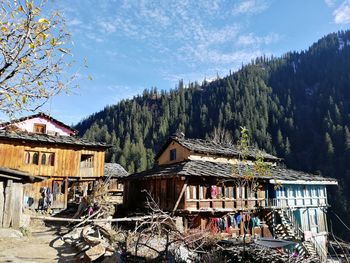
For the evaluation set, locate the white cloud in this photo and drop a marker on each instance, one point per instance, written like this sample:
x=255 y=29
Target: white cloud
x=107 y=27
x=196 y=34
x=330 y=3
x=74 y=22
x=252 y=39
x=342 y=13
x=250 y=7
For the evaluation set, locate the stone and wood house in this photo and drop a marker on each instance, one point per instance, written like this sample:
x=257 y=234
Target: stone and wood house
x=198 y=180
x=44 y=149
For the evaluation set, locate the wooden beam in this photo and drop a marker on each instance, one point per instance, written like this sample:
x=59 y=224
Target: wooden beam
x=62 y=219
x=2 y=202
x=180 y=196
x=8 y=209
x=17 y=205
x=9 y=177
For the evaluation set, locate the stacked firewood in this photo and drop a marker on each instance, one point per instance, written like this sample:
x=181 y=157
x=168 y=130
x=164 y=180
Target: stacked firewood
x=94 y=242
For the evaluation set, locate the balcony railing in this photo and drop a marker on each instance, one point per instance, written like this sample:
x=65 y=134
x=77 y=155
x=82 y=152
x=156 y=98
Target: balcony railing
x=86 y=172
x=228 y=204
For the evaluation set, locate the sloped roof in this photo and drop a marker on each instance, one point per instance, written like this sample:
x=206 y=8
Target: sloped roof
x=115 y=170
x=49 y=139
x=213 y=148
x=40 y=114
x=224 y=171
x=14 y=174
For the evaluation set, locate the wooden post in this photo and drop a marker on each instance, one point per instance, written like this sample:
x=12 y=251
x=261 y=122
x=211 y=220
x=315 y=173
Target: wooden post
x=66 y=193
x=17 y=207
x=2 y=202
x=8 y=204
x=180 y=196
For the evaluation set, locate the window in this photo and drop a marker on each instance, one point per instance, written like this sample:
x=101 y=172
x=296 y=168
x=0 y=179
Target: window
x=43 y=159
x=172 y=154
x=87 y=161
x=51 y=160
x=35 y=159
x=26 y=157
x=39 y=128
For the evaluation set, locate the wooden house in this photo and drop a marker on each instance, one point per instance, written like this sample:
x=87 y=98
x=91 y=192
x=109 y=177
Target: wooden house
x=200 y=181
x=39 y=123
x=114 y=172
x=42 y=146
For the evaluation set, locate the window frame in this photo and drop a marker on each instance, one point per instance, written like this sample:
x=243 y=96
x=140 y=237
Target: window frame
x=172 y=155
x=39 y=128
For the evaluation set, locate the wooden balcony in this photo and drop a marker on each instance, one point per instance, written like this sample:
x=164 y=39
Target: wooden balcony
x=223 y=204
x=283 y=202
x=229 y=204
x=86 y=172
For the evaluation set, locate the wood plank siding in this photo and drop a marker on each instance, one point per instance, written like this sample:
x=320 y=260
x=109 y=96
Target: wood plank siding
x=65 y=160
x=181 y=154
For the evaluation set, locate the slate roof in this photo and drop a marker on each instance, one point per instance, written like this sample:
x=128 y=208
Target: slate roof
x=221 y=171
x=49 y=139
x=40 y=114
x=115 y=170
x=213 y=148
x=14 y=174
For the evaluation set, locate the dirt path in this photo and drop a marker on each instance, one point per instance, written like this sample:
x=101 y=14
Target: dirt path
x=43 y=245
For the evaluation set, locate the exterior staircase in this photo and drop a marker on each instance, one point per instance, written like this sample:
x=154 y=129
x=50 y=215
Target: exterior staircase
x=289 y=230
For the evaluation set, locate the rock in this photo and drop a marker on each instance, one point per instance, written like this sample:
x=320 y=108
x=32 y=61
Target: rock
x=95 y=252
x=10 y=233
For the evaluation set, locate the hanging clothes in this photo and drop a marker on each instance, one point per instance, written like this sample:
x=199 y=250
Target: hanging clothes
x=213 y=225
x=213 y=191
x=238 y=219
x=227 y=219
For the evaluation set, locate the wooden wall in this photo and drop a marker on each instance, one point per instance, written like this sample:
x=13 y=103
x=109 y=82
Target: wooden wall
x=181 y=154
x=32 y=194
x=11 y=204
x=67 y=159
x=164 y=191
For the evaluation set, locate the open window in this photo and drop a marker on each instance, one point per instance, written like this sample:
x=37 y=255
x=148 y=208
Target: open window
x=27 y=157
x=39 y=128
x=87 y=161
x=35 y=159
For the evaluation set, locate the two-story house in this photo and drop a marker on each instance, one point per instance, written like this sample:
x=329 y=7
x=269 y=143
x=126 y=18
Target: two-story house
x=201 y=182
x=39 y=145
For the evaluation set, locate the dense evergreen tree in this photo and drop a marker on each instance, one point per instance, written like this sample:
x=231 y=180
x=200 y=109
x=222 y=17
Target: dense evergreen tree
x=296 y=106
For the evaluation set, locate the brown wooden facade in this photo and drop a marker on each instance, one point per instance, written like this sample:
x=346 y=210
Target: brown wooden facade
x=68 y=161
x=59 y=160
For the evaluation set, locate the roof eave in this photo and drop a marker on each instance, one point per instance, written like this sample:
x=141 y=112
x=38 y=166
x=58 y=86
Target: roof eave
x=304 y=182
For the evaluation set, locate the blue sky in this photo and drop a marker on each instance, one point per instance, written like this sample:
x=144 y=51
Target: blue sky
x=133 y=45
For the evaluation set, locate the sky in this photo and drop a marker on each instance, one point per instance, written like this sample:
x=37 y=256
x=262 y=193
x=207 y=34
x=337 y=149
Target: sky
x=133 y=45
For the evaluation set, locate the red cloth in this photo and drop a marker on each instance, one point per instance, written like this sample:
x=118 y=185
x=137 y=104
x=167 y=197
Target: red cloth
x=227 y=226
x=213 y=191
x=213 y=226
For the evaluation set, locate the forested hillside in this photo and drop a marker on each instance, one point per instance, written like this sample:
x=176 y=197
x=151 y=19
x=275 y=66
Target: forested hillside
x=296 y=106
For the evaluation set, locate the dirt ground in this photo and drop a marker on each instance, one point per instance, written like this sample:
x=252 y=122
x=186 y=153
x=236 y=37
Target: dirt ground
x=41 y=245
